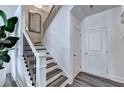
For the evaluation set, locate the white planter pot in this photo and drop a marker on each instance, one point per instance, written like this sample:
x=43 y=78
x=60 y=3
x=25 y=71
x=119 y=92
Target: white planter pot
x=2 y=77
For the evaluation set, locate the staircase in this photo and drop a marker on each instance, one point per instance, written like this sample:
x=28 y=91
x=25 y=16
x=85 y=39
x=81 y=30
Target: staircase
x=27 y=74
x=39 y=67
x=55 y=77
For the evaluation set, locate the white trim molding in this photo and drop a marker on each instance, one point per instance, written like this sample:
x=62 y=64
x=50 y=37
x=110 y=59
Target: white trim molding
x=116 y=78
x=17 y=80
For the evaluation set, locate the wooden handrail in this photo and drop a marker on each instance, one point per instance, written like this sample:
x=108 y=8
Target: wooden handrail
x=36 y=53
x=53 y=12
x=30 y=43
x=49 y=13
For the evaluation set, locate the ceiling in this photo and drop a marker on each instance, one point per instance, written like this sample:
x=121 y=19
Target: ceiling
x=81 y=11
x=46 y=8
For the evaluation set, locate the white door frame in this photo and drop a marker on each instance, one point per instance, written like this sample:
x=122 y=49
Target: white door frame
x=78 y=31
x=93 y=28
x=76 y=23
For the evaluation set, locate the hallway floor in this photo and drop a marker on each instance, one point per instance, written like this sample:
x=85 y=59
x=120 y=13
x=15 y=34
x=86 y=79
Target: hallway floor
x=10 y=81
x=82 y=80
x=87 y=80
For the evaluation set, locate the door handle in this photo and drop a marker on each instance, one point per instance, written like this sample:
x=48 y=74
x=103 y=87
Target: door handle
x=74 y=55
x=86 y=53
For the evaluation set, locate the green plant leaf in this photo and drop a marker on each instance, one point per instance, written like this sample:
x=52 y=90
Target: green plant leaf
x=2 y=28
x=4 y=56
x=5 y=52
x=5 y=41
x=12 y=40
x=1 y=46
x=3 y=15
x=2 y=68
x=2 y=35
x=2 y=32
x=11 y=24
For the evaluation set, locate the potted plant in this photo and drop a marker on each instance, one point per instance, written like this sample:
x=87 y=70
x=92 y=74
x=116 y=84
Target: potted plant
x=6 y=43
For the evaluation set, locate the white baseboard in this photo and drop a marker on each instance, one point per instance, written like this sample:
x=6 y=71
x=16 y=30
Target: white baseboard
x=61 y=67
x=70 y=80
x=111 y=77
x=16 y=80
x=116 y=78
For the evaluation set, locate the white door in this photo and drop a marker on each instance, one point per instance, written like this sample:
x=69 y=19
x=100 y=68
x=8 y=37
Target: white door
x=76 y=51
x=96 y=51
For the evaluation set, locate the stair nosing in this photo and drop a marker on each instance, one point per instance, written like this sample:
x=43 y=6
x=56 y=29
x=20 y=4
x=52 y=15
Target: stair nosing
x=49 y=58
x=40 y=48
x=54 y=64
x=52 y=75
x=63 y=80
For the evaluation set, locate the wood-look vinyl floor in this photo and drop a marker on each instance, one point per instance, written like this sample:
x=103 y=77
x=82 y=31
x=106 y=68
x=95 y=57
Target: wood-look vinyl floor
x=87 y=80
x=81 y=80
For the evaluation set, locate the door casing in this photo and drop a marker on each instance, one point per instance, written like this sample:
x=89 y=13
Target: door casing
x=76 y=50
x=104 y=29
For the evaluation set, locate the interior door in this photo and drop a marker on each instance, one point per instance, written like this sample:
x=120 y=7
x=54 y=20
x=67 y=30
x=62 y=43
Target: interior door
x=96 y=52
x=76 y=51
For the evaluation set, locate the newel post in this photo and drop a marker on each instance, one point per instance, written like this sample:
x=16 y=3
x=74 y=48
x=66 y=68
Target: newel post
x=41 y=70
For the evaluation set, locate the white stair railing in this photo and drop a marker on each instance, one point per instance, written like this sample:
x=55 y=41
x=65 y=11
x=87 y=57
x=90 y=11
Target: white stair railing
x=39 y=65
x=25 y=73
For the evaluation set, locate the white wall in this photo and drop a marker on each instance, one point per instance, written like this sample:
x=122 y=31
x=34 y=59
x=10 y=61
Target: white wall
x=16 y=65
x=9 y=10
x=111 y=19
x=57 y=38
x=35 y=37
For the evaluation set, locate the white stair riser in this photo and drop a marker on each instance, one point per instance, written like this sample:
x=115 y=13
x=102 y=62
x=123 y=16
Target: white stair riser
x=43 y=51
x=53 y=78
x=51 y=68
x=48 y=55
x=50 y=61
x=39 y=47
